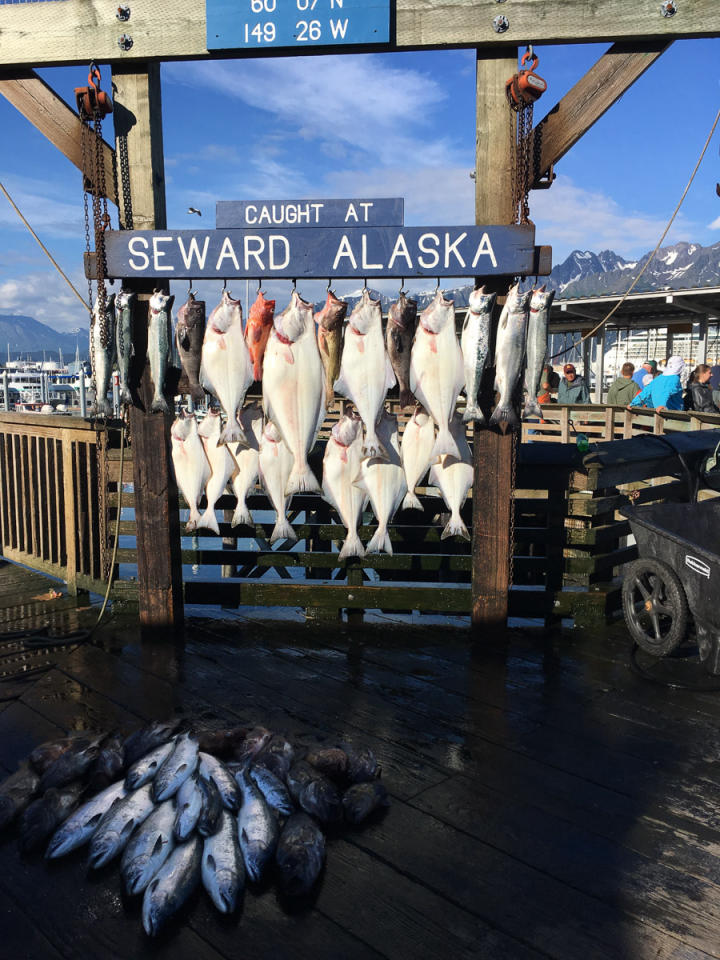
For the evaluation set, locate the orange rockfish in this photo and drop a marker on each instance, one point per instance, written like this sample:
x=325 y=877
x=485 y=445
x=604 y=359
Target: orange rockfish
x=257 y=331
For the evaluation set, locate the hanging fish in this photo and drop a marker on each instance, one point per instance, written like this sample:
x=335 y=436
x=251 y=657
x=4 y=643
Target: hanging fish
x=102 y=355
x=418 y=440
x=330 y=340
x=221 y=463
x=189 y=335
x=436 y=369
x=275 y=464
x=537 y=342
x=366 y=373
x=257 y=331
x=384 y=482
x=510 y=356
x=475 y=343
x=293 y=394
x=246 y=461
x=124 y=311
x=454 y=477
x=341 y=468
x=158 y=349
x=402 y=319
x=192 y=470
x=226 y=369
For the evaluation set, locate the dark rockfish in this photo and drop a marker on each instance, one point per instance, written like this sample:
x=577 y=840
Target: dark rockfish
x=475 y=343
x=158 y=348
x=402 y=318
x=510 y=357
x=145 y=739
x=278 y=756
x=362 y=764
x=314 y=792
x=332 y=761
x=537 y=335
x=330 y=340
x=300 y=854
x=189 y=335
x=172 y=885
x=360 y=800
x=45 y=815
x=257 y=331
x=102 y=355
x=48 y=752
x=109 y=765
x=124 y=310
x=70 y=765
x=220 y=743
x=16 y=792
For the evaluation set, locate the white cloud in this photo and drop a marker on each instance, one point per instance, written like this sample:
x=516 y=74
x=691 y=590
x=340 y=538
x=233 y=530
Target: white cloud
x=715 y=225
x=43 y=204
x=46 y=297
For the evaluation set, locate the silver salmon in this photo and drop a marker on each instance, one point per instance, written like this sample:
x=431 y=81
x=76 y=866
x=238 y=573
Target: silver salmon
x=510 y=357
x=124 y=311
x=537 y=343
x=158 y=348
x=475 y=344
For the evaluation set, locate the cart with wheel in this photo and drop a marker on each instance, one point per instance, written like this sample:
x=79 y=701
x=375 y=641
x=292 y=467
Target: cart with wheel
x=675 y=583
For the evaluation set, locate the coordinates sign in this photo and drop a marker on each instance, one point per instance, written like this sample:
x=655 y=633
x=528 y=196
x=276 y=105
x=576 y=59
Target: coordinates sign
x=332 y=253
x=259 y=24
x=387 y=212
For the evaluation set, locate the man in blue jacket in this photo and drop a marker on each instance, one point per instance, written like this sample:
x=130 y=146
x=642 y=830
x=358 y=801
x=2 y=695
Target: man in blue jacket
x=664 y=392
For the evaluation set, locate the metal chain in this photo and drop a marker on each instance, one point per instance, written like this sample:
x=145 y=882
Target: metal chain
x=521 y=130
x=122 y=151
x=101 y=222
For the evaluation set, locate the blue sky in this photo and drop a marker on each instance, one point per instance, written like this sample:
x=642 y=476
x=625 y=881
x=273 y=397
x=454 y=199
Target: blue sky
x=373 y=125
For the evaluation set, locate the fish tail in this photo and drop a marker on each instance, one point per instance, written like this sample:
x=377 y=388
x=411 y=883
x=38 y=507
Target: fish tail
x=197 y=393
x=380 y=542
x=505 y=418
x=282 y=531
x=407 y=398
x=352 y=547
x=302 y=481
x=193 y=520
x=159 y=405
x=411 y=502
x=233 y=433
x=102 y=408
x=445 y=444
x=209 y=521
x=241 y=517
x=372 y=448
x=258 y=369
x=125 y=396
x=473 y=414
x=455 y=528
x=532 y=409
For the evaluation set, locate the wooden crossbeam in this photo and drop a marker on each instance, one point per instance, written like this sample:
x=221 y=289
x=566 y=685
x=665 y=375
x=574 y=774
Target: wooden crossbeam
x=39 y=104
x=590 y=98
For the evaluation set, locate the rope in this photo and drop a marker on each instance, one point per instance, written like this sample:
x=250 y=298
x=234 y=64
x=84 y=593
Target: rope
x=657 y=247
x=45 y=249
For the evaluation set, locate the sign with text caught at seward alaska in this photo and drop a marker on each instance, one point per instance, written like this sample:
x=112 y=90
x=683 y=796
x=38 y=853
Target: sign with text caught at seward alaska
x=262 y=24
x=264 y=214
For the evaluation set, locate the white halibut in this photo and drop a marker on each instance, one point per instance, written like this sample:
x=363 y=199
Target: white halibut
x=454 y=477
x=341 y=468
x=275 y=463
x=226 y=368
x=294 y=388
x=384 y=482
x=246 y=460
x=418 y=439
x=192 y=470
x=221 y=463
x=366 y=373
x=436 y=369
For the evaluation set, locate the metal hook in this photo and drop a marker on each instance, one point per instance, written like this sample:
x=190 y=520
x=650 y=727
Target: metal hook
x=294 y=283
x=190 y=285
x=259 y=290
x=402 y=284
x=437 y=288
x=329 y=283
x=225 y=283
x=365 y=284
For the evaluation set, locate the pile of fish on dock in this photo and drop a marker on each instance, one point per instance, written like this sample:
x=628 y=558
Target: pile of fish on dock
x=210 y=807
x=301 y=368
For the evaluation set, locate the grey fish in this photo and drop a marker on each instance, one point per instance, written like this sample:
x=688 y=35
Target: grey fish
x=223 y=869
x=188 y=805
x=475 y=344
x=124 y=310
x=117 y=825
x=402 y=318
x=278 y=756
x=159 y=346
x=143 y=770
x=330 y=340
x=537 y=342
x=16 y=792
x=179 y=765
x=362 y=764
x=212 y=807
x=81 y=825
x=332 y=761
x=102 y=355
x=48 y=752
x=44 y=815
x=300 y=854
x=510 y=357
x=361 y=799
x=148 y=848
x=257 y=828
x=70 y=765
x=312 y=790
x=213 y=769
x=189 y=334
x=109 y=764
x=172 y=885
x=273 y=789
x=142 y=741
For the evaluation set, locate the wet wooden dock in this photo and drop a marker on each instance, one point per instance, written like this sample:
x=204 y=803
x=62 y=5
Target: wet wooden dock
x=546 y=800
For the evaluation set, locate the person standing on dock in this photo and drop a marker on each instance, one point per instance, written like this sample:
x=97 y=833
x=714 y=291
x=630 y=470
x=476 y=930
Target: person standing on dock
x=649 y=367
x=572 y=387
x=624 y=388
x=699 y=393
x=664 y=392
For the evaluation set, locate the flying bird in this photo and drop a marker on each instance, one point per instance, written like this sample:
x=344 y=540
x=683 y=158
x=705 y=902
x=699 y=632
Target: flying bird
x=193 y=210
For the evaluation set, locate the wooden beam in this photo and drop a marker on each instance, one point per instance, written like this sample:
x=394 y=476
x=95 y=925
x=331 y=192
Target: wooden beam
x=492 y=464
x=52 y=116
x=156 y=504
x=590 y=98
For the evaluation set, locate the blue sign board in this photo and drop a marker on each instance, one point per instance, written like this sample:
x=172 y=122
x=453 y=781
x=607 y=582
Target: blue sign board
x=311 y=253
x=267 y=214
x=259 y=24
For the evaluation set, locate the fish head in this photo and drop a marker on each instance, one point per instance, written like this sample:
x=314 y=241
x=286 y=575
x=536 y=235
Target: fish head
x=367 y=311
x=180 y=429
x=438 y=313
x=125 y=299
x=541 y=299
x=211 y=424
x=481 y=302
x=262 y=311
x=420 y=416
x=347 y=430
x=290 y=324
x=225 y=314
x=403 y=313
x=271 y=434
x=159 y=301
x=332 y=314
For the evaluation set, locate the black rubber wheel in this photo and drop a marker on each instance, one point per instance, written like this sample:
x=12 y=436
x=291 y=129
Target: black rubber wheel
x=655 y=606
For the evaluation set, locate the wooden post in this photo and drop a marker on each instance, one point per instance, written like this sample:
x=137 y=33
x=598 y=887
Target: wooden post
x=492 y=460
x=138 y=114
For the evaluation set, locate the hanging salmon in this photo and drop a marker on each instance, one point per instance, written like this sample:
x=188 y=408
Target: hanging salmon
x=124 y=309
x=158 y=348
x=510 y=357
x=475 y=344
x=102 y=354
x=537 y=343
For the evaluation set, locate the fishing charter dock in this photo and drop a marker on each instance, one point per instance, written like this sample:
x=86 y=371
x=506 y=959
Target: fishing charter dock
x=546 y=801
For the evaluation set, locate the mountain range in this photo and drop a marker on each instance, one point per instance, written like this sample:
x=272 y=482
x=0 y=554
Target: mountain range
x=25 y=336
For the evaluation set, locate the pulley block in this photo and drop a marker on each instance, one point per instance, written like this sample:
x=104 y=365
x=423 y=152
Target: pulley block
x=525 y=86
x=91 y=101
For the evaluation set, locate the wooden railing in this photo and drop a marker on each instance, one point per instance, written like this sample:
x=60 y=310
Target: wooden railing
x=599 y=422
